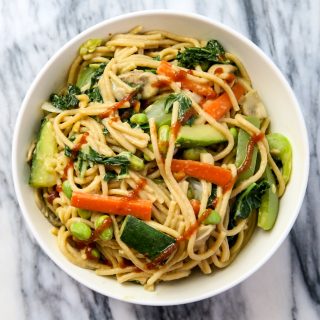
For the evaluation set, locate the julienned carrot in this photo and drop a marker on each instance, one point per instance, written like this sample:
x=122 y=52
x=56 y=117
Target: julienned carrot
x=218 y=107
x=195 y=206
x=138 y=208
x=202 y=89
x=165 y=69
x=201 y=170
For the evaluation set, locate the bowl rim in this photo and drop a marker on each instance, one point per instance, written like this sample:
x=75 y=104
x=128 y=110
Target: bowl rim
x=70 y=43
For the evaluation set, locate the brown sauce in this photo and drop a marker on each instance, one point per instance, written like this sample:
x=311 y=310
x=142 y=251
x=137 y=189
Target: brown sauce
x=118 y=105
x=247 y=161
x=185 y=236
x=135 y=192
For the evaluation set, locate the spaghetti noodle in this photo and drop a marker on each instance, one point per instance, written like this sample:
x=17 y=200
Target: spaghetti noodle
x=161 y=129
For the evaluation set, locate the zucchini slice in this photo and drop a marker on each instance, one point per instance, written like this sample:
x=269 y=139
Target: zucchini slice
x=42 y=175
x=137 y=235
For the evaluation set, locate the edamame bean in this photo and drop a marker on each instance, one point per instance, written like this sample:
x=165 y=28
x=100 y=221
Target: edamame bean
x=84 y=214
x=193 y=153
x=163 y=137
x=212 y=218
x=80 y=230
x=107 y=233
x=139 y=118
x=66 y=188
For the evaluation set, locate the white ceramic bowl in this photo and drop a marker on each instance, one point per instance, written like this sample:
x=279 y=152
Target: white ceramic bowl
x=283 y=110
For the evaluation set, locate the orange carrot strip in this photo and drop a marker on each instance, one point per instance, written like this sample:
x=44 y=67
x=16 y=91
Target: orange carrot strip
x=165 y=69
x=218 y=107
x=201 y=89
x=205 y=171
x=195 y=206
x=138 y=208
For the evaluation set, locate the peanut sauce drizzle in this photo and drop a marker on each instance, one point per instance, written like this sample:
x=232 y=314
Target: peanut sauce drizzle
x=185 y=236
x=118 y=105
x=247 y=161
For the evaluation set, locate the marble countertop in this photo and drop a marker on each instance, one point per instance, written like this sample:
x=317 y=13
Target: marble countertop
x=33 y=287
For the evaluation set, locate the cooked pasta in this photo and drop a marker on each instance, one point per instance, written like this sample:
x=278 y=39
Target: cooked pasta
x=155 y=158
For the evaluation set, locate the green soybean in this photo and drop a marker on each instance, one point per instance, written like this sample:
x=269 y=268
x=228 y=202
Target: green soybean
x=106 y=234
x=193 y=153
x=66 y=188
x=163 y=137
x=213 y=218
x=139 y=118
x=80 y=230
x=95 y=253
x=84 y=214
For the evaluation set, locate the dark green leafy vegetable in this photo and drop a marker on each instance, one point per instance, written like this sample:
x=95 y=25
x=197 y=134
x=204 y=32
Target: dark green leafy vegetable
x=119 y=160
x=212 y=196
x=185 y=113
x=249 y=199
x=212 y=53
x=109 y=176
x=97 y=74
x=68 y=100
x=94 y=94
x=67 y=152
x=96 y=157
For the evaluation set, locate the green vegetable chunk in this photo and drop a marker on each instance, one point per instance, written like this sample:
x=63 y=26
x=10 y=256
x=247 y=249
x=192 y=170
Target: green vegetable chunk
x=80 y=230
x=106 y=234
x=200 y=135
x=84 y=78
x=212 y=53
x=242 y=146
x=84 y=214
x=269 y=208
x=234 y=133
x=136 y=163
x=66 y=188
x=280 y=148
x=213 y=218
x=95 y=253
x=249 y=199
x=89 y=46
x=138 y=235
x=163 y=137
x=139 y=118
x=193 y=153
x=42 y=175
x=157 y=111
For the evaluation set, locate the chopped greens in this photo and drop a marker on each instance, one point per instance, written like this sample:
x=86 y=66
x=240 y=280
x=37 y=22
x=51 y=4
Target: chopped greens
x=67 y=152
x=119 y=160
x=109 y=176
x=185 y=113
x=94 y=94
x=68 y=100
x=212 y=53
x=212 y=196
x=98 y=73
x=96 y=157
x=249 y=199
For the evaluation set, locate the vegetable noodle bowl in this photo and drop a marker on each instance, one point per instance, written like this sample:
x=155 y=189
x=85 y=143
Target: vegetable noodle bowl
x=156 y=158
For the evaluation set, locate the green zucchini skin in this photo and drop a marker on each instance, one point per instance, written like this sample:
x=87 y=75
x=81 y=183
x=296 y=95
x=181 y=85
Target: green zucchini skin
x=139 y=236
x=41 y=174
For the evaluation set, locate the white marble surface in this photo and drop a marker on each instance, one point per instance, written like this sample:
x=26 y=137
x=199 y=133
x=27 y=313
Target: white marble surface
x=33 y=287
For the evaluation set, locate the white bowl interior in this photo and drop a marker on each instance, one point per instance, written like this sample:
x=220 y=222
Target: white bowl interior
x=286 y=118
